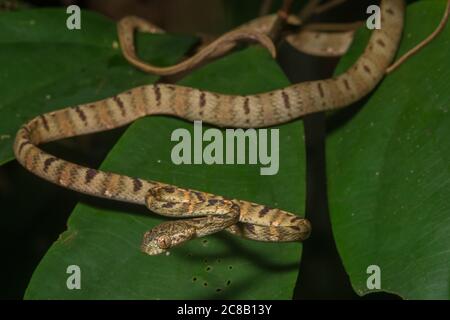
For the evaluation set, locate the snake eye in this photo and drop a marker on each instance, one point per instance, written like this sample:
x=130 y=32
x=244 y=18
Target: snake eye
x=164 y=242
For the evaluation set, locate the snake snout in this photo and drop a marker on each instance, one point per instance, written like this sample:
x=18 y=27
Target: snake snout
x=305 y=229
x=153 y=243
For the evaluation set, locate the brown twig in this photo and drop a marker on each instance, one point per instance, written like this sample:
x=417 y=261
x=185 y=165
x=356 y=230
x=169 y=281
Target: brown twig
x=325 y=26
x=265 y=7
x=314 y=7
x=328 y=6
x=279 y=23
x=422 y=44
x=308 y=10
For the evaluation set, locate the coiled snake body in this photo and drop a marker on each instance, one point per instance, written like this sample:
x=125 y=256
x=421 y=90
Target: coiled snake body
x=207 y=213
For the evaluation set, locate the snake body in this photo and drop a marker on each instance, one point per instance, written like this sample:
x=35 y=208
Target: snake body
x=207 y=213
x=258 y=30
x=253 y=31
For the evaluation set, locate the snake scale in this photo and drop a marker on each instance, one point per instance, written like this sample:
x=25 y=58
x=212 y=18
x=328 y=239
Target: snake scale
x=206 y=213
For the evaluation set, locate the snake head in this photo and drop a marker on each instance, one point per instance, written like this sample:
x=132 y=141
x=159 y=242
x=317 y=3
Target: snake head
x=165 y=236
x=155 y=243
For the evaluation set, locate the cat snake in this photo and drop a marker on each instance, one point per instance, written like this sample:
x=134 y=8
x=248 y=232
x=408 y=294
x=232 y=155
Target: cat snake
x=205 y=213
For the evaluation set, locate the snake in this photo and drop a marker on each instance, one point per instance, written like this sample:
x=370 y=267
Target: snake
x=203 y=213
x=316 y=42
x=255 y=31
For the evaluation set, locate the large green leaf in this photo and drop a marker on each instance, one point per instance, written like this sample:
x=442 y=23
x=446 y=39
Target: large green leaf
x=389 y=170
x=45 y=66
x=104 y=239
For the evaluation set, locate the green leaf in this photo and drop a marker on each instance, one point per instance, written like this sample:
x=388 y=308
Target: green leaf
x=45 y=66
x=389 y=170
x=104 y=239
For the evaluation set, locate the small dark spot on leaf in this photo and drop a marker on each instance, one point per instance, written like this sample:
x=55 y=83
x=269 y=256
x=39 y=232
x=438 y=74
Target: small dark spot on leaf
x=205 y=284
x=219 y=261
x=228 y=282
x=230 y=267
x=208 y=268
x=218 y=290
x=194 y=279
x=205 y=261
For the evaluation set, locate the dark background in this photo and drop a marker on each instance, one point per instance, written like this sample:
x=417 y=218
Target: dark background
x=35 y=212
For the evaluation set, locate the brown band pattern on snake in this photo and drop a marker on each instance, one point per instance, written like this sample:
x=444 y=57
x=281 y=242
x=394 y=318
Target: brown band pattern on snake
x=207 y=213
